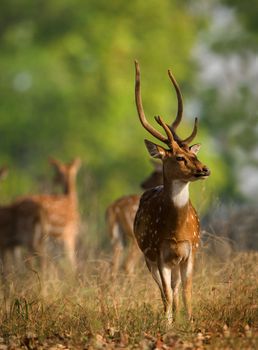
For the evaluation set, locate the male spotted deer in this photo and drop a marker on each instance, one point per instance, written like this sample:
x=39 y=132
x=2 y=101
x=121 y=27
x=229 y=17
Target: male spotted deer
x=59 y=213
x=120 y=216
x=166 y=226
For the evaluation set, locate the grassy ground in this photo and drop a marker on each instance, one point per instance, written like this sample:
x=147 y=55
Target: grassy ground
x=92 y=311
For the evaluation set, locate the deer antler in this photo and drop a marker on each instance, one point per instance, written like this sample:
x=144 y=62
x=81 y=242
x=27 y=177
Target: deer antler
x=138 y=100
x=179 y=116
x=170 y=130
x=193 y=134
x=178 y=119
x=170 y=140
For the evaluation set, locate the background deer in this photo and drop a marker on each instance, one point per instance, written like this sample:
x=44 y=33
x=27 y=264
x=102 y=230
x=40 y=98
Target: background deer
x=58 y=215
x=120 y=217
x=166 y=225
x=20 y=225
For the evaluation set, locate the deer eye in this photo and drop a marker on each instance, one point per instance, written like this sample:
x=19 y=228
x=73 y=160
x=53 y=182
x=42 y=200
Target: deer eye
x=180 y=158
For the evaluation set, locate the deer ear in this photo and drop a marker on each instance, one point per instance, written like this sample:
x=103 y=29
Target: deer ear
x=154 y=150
x=195 y=148
x=57 y=166
x=76 y=163
x=53 y=161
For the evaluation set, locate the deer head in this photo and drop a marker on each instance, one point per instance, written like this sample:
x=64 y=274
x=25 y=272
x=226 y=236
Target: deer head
x=65 y=174
x=179 y=159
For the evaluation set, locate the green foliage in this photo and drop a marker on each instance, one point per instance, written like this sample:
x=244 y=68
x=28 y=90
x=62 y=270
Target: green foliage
x=247 y=13
x=226 y=90
x=67 y=88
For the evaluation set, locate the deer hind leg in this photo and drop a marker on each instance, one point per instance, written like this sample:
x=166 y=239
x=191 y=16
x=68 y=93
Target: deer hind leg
x=117 y=247
x=175 y=284
x=132 y=257
x=186 y=269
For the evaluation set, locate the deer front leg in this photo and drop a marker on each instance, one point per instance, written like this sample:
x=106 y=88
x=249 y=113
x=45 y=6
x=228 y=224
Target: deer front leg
x=175 y=284
x=165 y=274
x=69 y=244
x=186 y=269
x=153 y=268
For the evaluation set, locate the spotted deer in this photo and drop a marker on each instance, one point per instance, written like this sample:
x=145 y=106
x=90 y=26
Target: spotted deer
x=166 y=225
x=59 y=213
x=17 y=223
x=120 y=216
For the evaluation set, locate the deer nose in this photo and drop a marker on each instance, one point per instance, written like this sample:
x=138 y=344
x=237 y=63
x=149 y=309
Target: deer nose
x=206 y=170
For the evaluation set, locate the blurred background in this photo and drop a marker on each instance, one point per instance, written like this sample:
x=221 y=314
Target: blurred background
x=67 y=90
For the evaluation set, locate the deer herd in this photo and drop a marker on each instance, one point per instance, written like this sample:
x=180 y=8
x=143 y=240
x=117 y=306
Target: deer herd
x=161 y=225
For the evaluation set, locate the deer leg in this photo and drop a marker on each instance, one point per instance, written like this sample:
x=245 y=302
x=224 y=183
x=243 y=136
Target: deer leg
x=70 y=251
x=165 y=274
x=175 y=284
x=186 y=269
x=117 y=251
x=153 y=268
x=117 y=246
x=132 y=257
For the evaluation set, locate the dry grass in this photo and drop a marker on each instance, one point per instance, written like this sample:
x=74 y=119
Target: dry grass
x=92 y=311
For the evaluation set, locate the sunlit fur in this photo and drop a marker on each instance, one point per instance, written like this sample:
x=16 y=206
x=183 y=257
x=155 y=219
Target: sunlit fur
x=167 y=227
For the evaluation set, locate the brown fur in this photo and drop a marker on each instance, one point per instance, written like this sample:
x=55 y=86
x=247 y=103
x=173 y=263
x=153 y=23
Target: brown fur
x=120 y=217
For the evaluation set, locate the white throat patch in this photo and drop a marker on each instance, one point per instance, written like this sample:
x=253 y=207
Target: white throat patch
x=180 y=193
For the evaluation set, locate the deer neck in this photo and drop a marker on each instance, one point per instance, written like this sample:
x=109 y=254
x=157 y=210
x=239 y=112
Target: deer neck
x=71 y=192
x=177 y=192
x=176 y=198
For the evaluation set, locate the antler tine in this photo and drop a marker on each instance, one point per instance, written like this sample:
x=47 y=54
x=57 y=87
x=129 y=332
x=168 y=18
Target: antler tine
x=178 y=119
x=193 y=134
x=170 y=139
x=139 y=106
